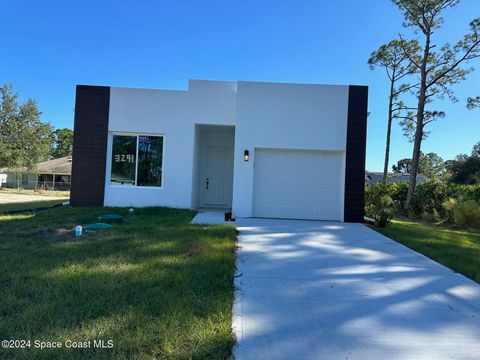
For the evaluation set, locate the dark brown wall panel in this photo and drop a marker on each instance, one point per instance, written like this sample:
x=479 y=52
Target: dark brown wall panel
x=355 y=154
x=90 y=145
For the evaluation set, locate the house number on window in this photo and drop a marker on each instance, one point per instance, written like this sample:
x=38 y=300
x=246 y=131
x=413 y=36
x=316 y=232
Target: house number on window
x=119 y=158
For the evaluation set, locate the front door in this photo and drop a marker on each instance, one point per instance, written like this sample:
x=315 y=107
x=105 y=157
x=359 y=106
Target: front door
x=216 y=176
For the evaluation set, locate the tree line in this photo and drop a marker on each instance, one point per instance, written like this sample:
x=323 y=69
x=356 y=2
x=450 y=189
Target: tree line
x=422 y=70
x=25 y=139
x=464 y=169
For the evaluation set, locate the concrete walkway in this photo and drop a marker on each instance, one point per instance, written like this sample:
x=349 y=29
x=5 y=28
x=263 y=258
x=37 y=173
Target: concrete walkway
x=211 y=218
x=320 y=290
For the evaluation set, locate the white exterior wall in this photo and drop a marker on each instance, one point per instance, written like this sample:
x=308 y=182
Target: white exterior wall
x=172 y=114
x=284 y=116
x=265 y=115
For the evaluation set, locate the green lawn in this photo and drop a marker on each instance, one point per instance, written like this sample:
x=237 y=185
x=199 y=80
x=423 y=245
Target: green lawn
x=157 y=286
x=459 y=250
x=30 y=204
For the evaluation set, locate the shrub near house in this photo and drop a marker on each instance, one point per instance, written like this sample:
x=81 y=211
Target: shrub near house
x=434 y=201
x=379 y=204
x=467 y=214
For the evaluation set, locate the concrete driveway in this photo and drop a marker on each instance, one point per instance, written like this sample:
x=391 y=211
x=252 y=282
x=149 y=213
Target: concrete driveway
x=321 y=290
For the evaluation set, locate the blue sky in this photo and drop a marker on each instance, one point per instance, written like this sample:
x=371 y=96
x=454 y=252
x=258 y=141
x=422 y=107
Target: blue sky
x=47 y=47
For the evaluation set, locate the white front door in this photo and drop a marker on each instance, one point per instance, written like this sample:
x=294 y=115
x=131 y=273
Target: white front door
x=216 y=176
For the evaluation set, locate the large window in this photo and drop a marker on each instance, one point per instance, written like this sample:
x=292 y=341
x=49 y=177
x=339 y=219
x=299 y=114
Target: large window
x=137 y=160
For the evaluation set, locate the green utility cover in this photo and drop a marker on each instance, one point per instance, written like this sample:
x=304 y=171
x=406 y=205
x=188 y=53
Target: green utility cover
x=98 y=226
x=111 y=218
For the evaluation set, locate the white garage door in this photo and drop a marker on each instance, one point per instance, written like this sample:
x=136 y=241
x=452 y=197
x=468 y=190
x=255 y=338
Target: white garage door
x=298 y=184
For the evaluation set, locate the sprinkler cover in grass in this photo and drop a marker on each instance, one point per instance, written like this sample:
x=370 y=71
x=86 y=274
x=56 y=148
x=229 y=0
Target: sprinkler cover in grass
x=98 y=226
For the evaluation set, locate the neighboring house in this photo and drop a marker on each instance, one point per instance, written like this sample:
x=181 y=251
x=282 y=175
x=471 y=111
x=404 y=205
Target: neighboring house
x=3 y=177
x=261 y=149
x=51 y=174
x=377 y=177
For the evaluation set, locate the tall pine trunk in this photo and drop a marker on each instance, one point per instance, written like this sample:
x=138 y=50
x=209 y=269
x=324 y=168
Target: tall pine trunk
x=416 y=153
x=422 y=99
x=389 y=131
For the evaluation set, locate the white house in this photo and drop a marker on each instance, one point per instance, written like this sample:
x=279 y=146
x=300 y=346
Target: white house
x=51 y=174
x=260 y=149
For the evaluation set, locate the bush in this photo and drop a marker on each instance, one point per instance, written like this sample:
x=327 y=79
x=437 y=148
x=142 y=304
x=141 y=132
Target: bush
x=379 y=204
x=398 y=193
x=467 y=214
x=429 y=198
x=433 y=201
x=431 y=217
x=448 y=208
x=462 y=192
x=426 y=203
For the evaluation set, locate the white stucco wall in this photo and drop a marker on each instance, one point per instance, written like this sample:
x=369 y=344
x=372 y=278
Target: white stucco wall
x=284 y=116
x=172 y=114
x=265 y=115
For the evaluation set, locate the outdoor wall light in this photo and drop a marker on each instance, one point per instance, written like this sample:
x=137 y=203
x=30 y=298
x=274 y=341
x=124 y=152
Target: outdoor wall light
x=246 y=156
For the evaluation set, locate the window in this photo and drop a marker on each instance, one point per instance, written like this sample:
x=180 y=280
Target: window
x=24 y=179
x=150 y=149
x=124 y=151
x=137 y=160
x=44 y=178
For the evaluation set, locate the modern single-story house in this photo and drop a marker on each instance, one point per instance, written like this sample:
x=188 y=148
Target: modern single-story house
x=261 y=149
x=51 y=174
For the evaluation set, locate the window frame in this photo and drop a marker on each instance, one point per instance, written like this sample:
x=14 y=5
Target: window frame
x=110 y=155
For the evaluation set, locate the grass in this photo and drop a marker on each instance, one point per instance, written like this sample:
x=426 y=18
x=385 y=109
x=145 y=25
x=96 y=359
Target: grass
x=157 y=286
x=30 y=205
x=458 y=250
x=56 y=193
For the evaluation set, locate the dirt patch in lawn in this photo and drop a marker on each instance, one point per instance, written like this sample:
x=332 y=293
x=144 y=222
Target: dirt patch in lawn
x=192 y=250
x=60 y=234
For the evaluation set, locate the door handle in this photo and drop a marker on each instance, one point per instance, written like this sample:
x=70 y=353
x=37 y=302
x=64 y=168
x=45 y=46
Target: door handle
x=206 y=183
